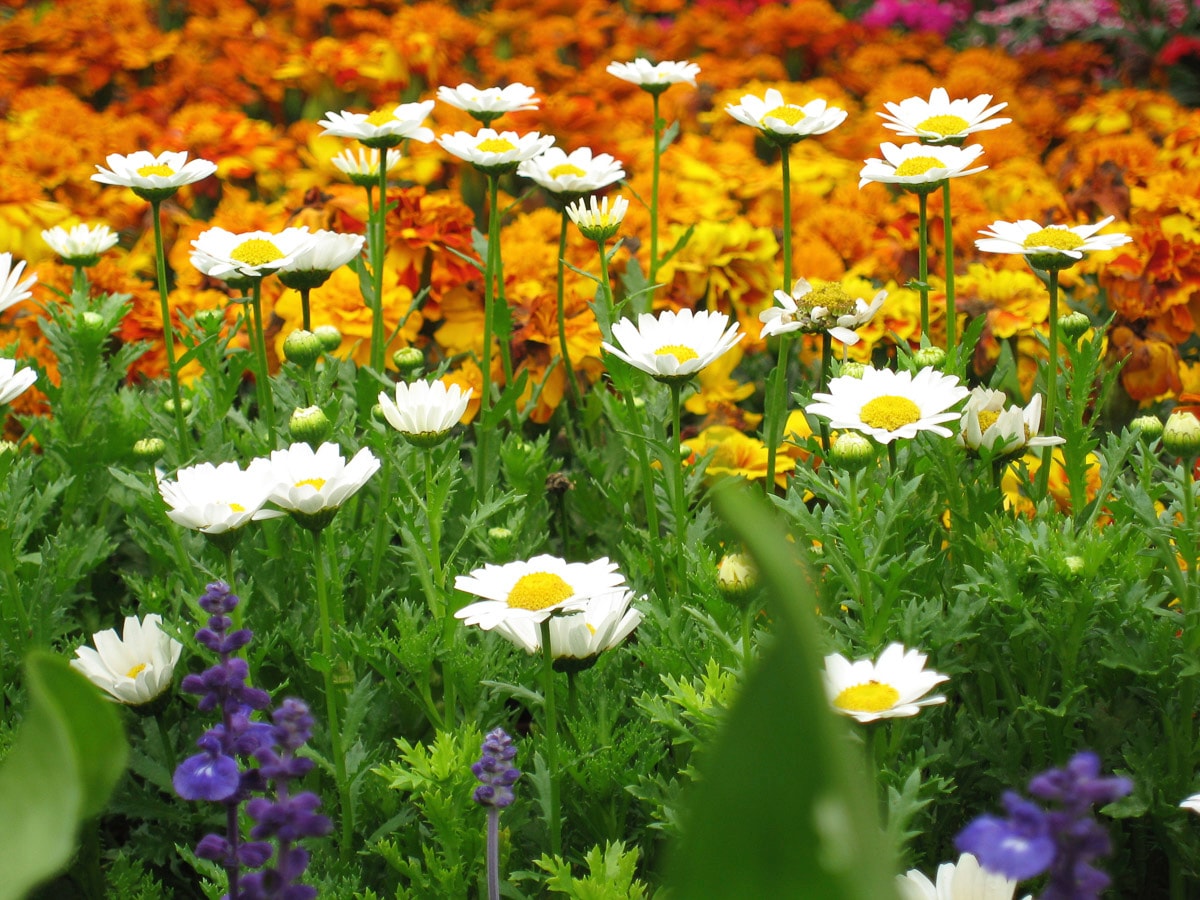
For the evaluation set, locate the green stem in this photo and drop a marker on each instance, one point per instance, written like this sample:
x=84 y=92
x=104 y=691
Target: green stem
x=378 y=218
x=1043 y=480
x=554 y=813
x=923 y=262
x=168 y=329
x=1187 y=542
x=658 y=127
x=496 y=267
x=951 y=307
x=785 y=161
x=677 y=495
x=305 y=309
x=572 y=386
x=776 y=412
x=433 y=519
x=331 y=699
x=79 y=284
x=483 y=429
x=652 y=526
x=823 y=381
x=606 y=291
x=266 y=403
x=379 y=539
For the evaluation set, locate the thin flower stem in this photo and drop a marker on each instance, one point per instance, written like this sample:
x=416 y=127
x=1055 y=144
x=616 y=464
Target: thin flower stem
x=331 y=699
x=497 y=270
x=951 y=307
x=923 y=263
x=678 y=498
x=606 y=290
x=1188 y=546
x=572 y=385
x=168 y=328
x=1043 y=479
x=891 y=451
x=823 y=381
x=785 y=161
x=776 y=412
x=266 y=403
x=305 y=309
x=658 y=127
x=652 y=526
x=377 y=219
x=79 y=283
x=554 y=813
x=493 y=853
x=483 y=429
x=380 y=536
x=433 y=519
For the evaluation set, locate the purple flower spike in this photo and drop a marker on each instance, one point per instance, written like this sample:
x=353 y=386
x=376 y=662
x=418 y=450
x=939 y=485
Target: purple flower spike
x=1017 y=847
x=207 y=776
x=494 y=771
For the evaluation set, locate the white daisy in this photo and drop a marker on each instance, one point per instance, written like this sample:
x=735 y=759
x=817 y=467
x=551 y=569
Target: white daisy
x=920 y=167
x=223 y=254
x=674 y=346
x=533 y=590
x=12 y=289
x=576 y=639
x=1192 y=803
x=966 y=880
x=887 y=405
x=595 y=219
x=361 y=166
x=654 y=77
x=578 y=172
x=486 y=104
x=312 y=485
x=14 y=382
x=319 y=257
x=135 y=668
x=1004 y=430
x=216 y=499
x=425 y=411
x=828 y=308
x=82 y=245
x=153 y=177
x=895 y=686
x=786 y=122
x=383 y=128
x=1050 y=246
x=940 y=120
x=495 y=152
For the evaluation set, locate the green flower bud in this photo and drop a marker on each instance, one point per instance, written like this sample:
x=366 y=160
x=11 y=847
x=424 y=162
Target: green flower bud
x=185 y=404
x=1147 y=428
x=149 y=450
x=1074 y=325
x=377 y=413
x=8 y=448
x=499 y=534
x=852 y=369
x=851 y=452
x=310 y=425
x=303 y=348
x=329 y=336
x=408 y=360
x=930 y=358
x=736 y=574
x=210 y=320
x=1181 y=435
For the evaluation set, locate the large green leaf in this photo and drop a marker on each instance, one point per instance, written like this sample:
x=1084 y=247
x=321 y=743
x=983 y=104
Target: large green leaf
x=784 y=806
x=66 y=760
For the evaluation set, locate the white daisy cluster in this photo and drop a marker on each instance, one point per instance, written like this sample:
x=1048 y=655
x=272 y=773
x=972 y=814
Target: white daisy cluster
x=988 y=423
x=301 y=258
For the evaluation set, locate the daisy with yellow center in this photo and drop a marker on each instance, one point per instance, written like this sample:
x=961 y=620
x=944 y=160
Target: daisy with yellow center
x=988 y=423
x=572 y=174
x=825 y=308
x=786 y=122
x=1049 y=247
x=596 y=220
x=920 y=167
x=310 y=484
x=577 y=639
x=674 y=346
x=252 y=255
x=532 y=591
x=153 y=177
x=887 y=405
x=940 y=120
x=488 y=104
x=385 y=127
x=495 y=152
x=895 y=686
x=654 y=77
x=134 y=668
x=216 y=499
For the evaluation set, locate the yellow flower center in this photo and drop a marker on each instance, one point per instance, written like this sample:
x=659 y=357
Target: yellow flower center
x=789 y=114
x=567 y=169
x=159 y=169
x=381 y=117
x=890 y=412
x=256 y=252
x=871 y=697
x=919 y=165
x=590 y=627
x=538 y=590
x=944 y=125
x=135 y=671
x=1057 y=238
x=987 y=419
x=831 y=296
x=680 y=352
x=496 y=145
x=317 y=483
x=236 y=507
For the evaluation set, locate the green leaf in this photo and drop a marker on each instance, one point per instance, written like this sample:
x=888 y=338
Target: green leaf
x=67 y=758
x=784 y=805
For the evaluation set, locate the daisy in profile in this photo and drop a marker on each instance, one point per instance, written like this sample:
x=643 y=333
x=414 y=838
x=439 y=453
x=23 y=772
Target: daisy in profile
x=920 y=168
x=153 y=177
x=596 y=220
x=964 y=880
x=1191 y=803
x=216 y=499
x=424 y=412
x=674 y=346
x=887 y=405
x=312 y=485
x=319 y=257
x=1049 y=247
x=569 y=175
x=82 y=245
x=895 y=686
x=533 y=590
x=494 y=152
x=786 y=122
x=13 y=381
x=940 y=120
x=361 y=167
x=488 y=104
x=134 y=668
x=988 y=422
x=577 y=639
x=385 y=127
x=827 y=308
x=654 y=77
x=12 y=288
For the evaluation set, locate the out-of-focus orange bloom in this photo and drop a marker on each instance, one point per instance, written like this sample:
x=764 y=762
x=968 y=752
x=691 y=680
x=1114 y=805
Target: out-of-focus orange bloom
x=1151 y=370
x=1014 y=487
x=718 y=388
x=737 y=454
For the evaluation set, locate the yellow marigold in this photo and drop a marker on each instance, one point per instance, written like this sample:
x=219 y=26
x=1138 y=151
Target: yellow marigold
x=718 y=386
x=1014 y=489
x=737 y=454
x=1125 y=110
